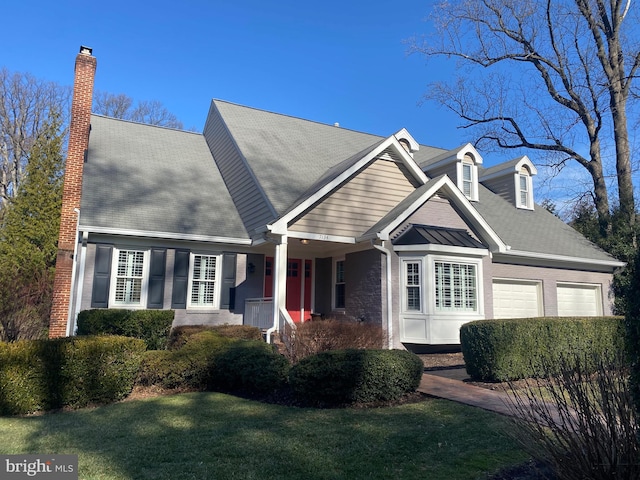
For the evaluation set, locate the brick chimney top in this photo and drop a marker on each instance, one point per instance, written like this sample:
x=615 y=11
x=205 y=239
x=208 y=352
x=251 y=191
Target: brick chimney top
x=85 y=50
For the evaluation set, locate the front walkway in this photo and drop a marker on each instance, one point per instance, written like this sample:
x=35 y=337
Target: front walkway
x=461 y=392
x=449 y=385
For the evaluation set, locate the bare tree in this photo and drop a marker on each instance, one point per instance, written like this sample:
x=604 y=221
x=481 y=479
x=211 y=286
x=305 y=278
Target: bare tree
x=121 y=106
x=550 y=75
x=25 y=106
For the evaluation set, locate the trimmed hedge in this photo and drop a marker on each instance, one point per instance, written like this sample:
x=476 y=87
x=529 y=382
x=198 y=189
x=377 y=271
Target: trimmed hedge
x=188 y=367
x=152 y=326
x=180 y=335
x=500 y=350
x=68 y=372
x=250 y=366
x=349 y=376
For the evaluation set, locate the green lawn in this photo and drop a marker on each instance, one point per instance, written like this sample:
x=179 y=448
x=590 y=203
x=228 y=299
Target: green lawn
x=216 y=436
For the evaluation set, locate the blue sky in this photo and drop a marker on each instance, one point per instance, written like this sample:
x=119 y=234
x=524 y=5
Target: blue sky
x=328 y=61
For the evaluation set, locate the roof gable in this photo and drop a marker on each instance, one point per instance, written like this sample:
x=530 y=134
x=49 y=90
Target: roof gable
x=388 y=149
x=442 y=186
x=351 y=208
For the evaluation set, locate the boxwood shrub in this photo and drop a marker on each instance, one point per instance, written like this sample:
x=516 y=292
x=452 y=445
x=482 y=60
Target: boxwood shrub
x=179 y=335
x=499 y=350
x=152 y=326
x=250 y=366
x=69 y=372
x=188 y=367
x=349 y=376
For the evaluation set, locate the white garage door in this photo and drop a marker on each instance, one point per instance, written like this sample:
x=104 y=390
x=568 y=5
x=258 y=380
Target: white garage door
x=579 y=300
x=516 y=299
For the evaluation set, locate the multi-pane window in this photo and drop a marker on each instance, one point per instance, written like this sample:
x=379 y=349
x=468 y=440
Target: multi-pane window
x=204 y=279
x=467 y=180
x=129 y=277
x=413 y=286
x=339 y=298
x=524 y=190
x=456 y=287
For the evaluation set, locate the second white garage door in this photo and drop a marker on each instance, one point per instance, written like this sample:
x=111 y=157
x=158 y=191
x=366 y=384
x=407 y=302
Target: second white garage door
x=579 y=300
x=517 y=299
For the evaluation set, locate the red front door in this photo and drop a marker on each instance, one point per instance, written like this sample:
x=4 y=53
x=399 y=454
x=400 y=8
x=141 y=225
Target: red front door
x=298 y=278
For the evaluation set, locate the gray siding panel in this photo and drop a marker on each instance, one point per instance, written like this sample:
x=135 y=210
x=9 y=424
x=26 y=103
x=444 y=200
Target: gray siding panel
x=504 y=187
x=249 y=199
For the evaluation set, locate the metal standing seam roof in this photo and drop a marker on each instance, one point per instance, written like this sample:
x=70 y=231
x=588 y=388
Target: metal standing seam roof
x=432 y=235
x=146 y=178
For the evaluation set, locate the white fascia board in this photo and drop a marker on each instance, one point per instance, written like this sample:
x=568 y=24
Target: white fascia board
x=447 y=249
x=470 y=213
x=542 y=258
x=280 y=225
x=404 y=134
x=164 y=235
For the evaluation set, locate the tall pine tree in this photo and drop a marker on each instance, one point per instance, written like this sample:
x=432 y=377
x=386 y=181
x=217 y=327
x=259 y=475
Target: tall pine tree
x=28 y=236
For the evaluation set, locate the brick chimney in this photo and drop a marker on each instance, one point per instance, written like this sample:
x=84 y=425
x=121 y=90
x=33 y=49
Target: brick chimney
x=85 y=71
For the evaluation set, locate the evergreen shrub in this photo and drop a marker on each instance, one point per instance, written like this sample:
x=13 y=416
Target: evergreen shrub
x=152 y=326
x=179 y=335
x=355 y=376
x=512 y=349
x=68 y=372
x=188 y=367
x=250 y=366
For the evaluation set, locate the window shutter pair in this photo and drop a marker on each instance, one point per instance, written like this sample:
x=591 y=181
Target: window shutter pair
x=102 y=277
x=181 y=280
x=157 y=269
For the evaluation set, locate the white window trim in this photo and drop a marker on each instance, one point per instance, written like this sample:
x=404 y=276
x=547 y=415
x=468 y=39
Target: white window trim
x=428 y=287
x=217 y=281
x=334 y=271
x=474 y=179
x=114 y=279
x=519 y=204
x=403 y=282
x=431 y=275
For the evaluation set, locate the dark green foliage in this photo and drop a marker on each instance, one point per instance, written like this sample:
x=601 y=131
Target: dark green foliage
x=188 y=367
x=632 y=324
x=179 y=335
x=29 y=227
x=499 y=350
x=349 y=376
x=152 y=326
x=72 y=372
x=250 y=366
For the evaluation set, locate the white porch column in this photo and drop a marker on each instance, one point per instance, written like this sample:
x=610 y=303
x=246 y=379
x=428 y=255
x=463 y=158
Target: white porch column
x=279 y=279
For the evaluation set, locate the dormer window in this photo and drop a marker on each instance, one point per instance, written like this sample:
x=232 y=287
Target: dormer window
x=468 y=177
x=524 y=190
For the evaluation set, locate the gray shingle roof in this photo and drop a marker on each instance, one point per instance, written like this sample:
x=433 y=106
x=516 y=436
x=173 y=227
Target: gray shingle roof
x=147 y=178
x=288 y=155
x=536 y=231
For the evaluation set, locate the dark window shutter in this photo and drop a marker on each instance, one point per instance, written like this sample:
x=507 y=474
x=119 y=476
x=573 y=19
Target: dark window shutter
x=228 y=290
x=101 y=277
x=180 y=279
x=157 y=268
